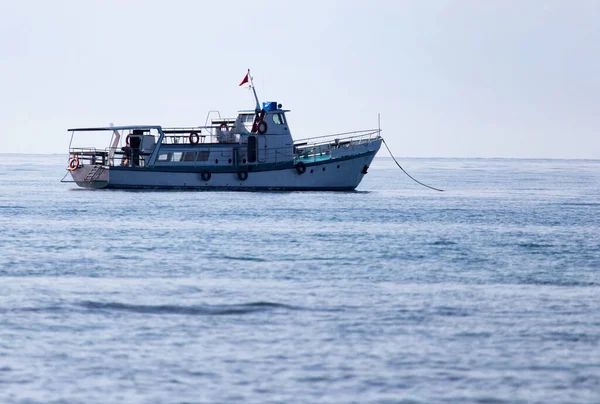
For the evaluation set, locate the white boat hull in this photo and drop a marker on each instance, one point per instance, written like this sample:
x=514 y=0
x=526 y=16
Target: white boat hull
x=343 y=174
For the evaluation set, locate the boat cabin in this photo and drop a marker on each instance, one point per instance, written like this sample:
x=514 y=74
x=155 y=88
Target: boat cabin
x=254 y=137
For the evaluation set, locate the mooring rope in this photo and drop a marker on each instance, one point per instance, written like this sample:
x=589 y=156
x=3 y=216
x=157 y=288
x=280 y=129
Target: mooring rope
x=63 y=178
x=409 y=176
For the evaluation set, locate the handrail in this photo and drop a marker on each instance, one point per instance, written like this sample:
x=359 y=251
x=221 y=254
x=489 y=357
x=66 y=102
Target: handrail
x=335 y=140
x=365 y=132
x=318 y=147
x=189 y=129
x=82 y=149
x=300 y=148
x=210 y=112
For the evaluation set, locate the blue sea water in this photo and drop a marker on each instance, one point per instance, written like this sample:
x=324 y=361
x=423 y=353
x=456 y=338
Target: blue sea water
x=486 y=293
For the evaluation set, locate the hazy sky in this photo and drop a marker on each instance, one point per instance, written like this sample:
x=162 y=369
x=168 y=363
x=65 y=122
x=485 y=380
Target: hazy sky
x=450 y=78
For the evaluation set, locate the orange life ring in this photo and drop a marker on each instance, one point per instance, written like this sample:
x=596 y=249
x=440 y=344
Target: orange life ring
x=73 y=164
x=261 y=127
x=194 y=138
x=224 y=126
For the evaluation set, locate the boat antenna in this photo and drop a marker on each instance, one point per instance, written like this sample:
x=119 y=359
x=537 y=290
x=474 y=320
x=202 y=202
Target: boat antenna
x=254 y=91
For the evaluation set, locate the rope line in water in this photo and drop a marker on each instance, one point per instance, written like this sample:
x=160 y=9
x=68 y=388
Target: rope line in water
x=403 y=170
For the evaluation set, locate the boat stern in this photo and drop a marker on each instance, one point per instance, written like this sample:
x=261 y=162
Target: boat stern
x=93 y=176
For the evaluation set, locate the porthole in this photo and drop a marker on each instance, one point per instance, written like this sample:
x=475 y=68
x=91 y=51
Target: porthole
x=312 y=171
x=323 y=168
x=338 y=166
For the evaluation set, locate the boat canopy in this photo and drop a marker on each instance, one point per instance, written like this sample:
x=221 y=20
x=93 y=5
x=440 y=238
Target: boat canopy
x=133 y=127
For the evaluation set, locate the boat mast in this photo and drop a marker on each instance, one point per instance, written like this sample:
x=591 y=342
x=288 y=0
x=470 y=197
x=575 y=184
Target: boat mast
x=254 y=91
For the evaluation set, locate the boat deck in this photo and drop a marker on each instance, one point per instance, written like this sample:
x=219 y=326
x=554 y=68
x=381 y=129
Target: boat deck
x=314 y=159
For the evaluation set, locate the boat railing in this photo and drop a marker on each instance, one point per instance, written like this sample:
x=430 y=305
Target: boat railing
x=89 y=155
x=109 y=156
x=315 y=148
x=201 y=134
x=361 y=135
x=320 y=147
x=119 y=157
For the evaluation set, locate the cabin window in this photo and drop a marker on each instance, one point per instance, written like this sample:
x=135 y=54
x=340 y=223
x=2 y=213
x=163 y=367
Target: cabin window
x=178 y=156
x=189 y=156
x=247 y=118
x=278 y=119
x=202 y=156
x=164 y=157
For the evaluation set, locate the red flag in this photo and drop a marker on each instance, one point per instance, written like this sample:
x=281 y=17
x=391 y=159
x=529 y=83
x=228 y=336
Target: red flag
x=245 y=79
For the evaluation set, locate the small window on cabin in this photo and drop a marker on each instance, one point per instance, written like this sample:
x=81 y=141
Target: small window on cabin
x=189 y=156
x=247 y=118
x=177 y=156
x=203 y=156
x=164 y=157
x=277 y=119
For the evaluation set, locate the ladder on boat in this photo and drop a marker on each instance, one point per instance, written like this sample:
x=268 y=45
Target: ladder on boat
x=94 y=173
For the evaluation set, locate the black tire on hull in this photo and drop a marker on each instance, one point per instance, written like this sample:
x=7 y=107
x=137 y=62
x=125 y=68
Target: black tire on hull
x=300 y=168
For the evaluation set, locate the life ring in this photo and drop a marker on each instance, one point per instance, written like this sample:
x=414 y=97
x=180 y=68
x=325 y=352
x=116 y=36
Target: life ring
x=243 y=175
x=205 y=175
x=224 y=126
x=300 y=168
x=194 y=138
x=73 y=164
x=261 y=126
x=127 y=139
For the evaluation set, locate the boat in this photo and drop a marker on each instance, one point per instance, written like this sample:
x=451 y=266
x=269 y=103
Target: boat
x=254 y=151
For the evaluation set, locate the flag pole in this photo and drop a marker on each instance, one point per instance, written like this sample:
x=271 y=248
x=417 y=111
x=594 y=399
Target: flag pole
x=254 y=91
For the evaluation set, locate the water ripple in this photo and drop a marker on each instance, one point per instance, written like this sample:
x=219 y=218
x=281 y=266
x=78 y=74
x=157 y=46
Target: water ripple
x=198 y=310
